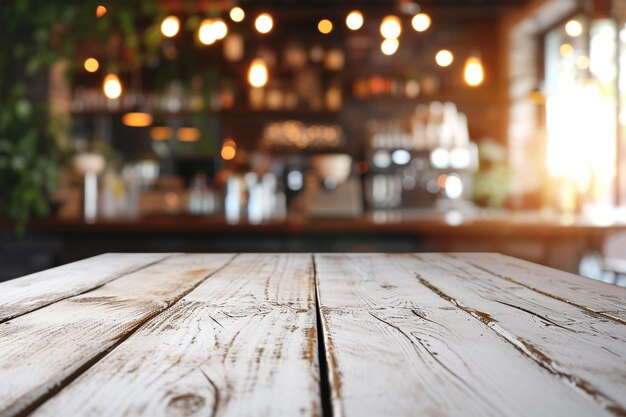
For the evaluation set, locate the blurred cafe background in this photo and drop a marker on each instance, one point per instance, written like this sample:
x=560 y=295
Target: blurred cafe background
x=314 y=125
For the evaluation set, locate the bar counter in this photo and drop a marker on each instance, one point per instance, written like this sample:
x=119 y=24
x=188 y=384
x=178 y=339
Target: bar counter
x=550 y=239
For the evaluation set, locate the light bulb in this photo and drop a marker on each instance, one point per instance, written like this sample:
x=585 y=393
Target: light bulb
x=170 y=26
x=390 y=27
x=421 y=22
x=219 y=29
x=573 y=28
x=473 y=73
x=389 y=46
x=237 y=14
x=325 y=26
x=205 y=32
x=228 y=152
x=257 y=75
x=264 y=23
x=91 y=65
x=354 y=20
x=100 y=11
x=112 y=87
x=444 y=58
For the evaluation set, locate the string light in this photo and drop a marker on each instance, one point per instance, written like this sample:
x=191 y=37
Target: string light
x=257 y=75
x=574 y=28
x=170 y=26
x=237 y=14
x=325 y=26
x=112 y=86
x=354 y=20
x=444 y=58
x=264 y=23
x=390 y=27
x=229 y=150
x=219 y=29
x=473 y=73
x=91 y=65
x=205 y=33
x=389 y=46
x=100 y=11
x=421 y=22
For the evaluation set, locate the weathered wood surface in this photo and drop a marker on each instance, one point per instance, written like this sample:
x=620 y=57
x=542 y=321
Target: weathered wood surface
x=581 y=348
x=242 y=343
x=395 y=347
x=33 y=291
x=42 y=349
x=570 y=288
x=401 y=335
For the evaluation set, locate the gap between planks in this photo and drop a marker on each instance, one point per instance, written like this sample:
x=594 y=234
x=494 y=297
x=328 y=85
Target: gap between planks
x=593 y=313
x=88 y=290
x=36 y=403
x=325 y=392
x=579 y=384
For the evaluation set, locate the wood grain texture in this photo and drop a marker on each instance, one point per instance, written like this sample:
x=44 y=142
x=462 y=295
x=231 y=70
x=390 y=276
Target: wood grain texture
x=582 y=349
x=395 y=347
x=34 y=291
x=587 y=294
x=43 y=349
x=243 y=343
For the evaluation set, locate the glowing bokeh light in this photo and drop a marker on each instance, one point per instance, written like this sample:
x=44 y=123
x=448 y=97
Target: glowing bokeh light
x=170 y=26
x=354 y=20
x=264 y=23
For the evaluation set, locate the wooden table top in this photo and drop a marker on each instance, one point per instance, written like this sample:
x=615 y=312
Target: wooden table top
x=311 y=335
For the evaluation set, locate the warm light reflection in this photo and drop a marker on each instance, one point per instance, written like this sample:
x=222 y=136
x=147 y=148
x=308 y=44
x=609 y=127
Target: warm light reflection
x=573 y=28
x=390 y=27
x=237 y=14
x=161 y=133
x=112 y=86
x=100 y=11
x=264 y=23
x=205 y=32
x=389 y=46
x=257 y=75
x=137 y=119
x=188 y=134
x=170 y=26
x=420 y=22
x=354 y=20
x=444 y=58
x=473 y=74
x=91 y=65
x=325 y=26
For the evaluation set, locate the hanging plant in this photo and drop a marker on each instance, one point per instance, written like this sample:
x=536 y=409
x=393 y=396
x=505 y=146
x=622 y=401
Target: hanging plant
x=34 y=35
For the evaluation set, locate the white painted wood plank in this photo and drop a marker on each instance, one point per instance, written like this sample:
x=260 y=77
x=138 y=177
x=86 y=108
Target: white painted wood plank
x=243 y=343
x=609 y=300
x=396 y=348
x=21 y=295
x=39 y=350
x=579 y=347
